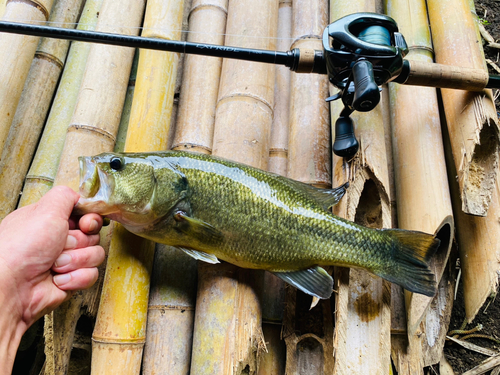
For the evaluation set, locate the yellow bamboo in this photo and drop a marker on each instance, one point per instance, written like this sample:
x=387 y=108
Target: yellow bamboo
x=362 y=326
x=227 y=336
x=17 y=54
x=471 y=117
x=92 y=130
x=119 y=344
x=309 y=137
x=423 y=199
x=2 y=7
x=43 y=169
x=33 y=107
x=200 y=85
x=278 y=153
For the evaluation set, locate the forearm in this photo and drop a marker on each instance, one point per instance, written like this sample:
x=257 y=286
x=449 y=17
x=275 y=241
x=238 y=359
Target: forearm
x=11 y=331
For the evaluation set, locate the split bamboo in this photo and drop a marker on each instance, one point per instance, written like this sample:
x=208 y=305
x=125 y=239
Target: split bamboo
x=33 y=106
x=200 y=85
x=17 y=53
x=278 y=153
x=471 y=116
x=362 y=339
x=473 y=129
x=43 y=169
x=227 y=335
x=118 y=344
x=423 y=199
x=92 y=130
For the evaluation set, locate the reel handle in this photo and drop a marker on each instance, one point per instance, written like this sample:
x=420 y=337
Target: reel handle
x=367 y=93
x=345 y=145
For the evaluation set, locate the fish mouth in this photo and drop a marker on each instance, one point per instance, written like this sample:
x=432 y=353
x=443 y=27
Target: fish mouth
x=94 y=188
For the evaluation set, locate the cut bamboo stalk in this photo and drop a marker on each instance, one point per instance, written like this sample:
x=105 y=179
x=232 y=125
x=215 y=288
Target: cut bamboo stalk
x=423 y=199
x=119 y=344
x=309 y=138
x=227 y=336
x=18 y=52
x=477 y=238
x=471 y=117
x=200 y=85
x=363 y=301
x=33 y=106
x=169 y=334
x=43 y=169
x=93 y=129
x=278 y=153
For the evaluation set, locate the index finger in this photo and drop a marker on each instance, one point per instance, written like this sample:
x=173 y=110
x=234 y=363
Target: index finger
x=88 y=223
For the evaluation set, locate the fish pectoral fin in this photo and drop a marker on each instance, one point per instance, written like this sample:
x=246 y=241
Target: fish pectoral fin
x=200 y=255
x=197 y=229
x=314 y=281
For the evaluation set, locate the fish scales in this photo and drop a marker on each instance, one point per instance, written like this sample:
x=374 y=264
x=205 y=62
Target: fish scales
x=214 y=209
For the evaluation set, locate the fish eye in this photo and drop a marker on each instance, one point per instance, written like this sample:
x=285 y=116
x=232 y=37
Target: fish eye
x=116 y=164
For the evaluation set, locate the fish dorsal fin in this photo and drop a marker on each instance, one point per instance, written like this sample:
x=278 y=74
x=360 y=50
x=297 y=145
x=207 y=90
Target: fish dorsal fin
x=326 y=197
x=314 y=281
x=200 y=255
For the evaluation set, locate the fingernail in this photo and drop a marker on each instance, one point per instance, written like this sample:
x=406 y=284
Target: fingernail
x=62 y=260
x=62 y=279
x=93 y=225
x=70 y=242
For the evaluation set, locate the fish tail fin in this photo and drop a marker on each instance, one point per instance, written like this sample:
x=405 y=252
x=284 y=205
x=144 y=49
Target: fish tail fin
x=410 y=255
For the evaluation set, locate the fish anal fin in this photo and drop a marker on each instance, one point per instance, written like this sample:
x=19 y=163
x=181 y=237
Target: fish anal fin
x=314 y=281
x=200 y=255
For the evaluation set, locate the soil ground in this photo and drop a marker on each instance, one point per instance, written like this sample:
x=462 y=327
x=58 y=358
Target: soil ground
x=459 y=358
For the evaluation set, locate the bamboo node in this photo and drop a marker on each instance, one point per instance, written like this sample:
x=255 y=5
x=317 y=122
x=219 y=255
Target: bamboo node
x=206 y=6
x=91 y=128
x=50 y=58
x=120 y=341
x=34 y=4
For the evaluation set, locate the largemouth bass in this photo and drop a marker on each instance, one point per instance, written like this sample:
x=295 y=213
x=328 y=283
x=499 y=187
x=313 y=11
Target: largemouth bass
x=214 y=209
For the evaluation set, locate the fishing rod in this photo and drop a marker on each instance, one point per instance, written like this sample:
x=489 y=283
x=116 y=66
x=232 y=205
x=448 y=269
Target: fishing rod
x=361 y=52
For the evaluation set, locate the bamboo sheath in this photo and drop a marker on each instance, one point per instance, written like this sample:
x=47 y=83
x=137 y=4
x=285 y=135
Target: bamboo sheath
x=33 y=106
x=200 y=85
x=417 y=142
x=362 y=339
x=471 y=117
x=119 y=344
x=44 y=166
x=18 y=52
x=92 y=129
x=278 y=153
x=227 y=335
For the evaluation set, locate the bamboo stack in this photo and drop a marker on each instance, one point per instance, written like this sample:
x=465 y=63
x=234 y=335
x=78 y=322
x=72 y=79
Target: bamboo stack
x=471 y=117
x=33 y=106
x=92 y=129
x=423 y=199
x=200 y=86
x=473 y=128
x=227 y=335
x=362 y=329
x=118 y=345
x=43 y=169
x=18 y=52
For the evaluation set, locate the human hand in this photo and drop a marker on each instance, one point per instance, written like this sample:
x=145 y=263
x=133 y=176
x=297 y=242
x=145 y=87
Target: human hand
x=45 y=254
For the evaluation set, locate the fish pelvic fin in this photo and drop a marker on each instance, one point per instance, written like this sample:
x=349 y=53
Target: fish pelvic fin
x=314 y=281
x=411 y=253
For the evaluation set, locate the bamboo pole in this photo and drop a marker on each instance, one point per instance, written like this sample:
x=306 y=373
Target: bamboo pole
x=308 y=348
x=200 y=86
x=417 y=141
x=2 y=7
x=227 y=336
x=471 y=117
x=33 y=106
x=362 y=338
x=118 y=345
x=18 y=52
x=278 y=153
x=92 y=130
x=43 y=169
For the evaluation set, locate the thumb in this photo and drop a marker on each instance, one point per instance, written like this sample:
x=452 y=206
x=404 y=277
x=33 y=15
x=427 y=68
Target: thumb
x=59 y=200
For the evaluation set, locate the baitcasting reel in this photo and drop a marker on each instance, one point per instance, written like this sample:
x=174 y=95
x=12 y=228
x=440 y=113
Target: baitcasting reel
x=362 y=51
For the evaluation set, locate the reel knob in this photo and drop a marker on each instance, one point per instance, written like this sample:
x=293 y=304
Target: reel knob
x=345 y=145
